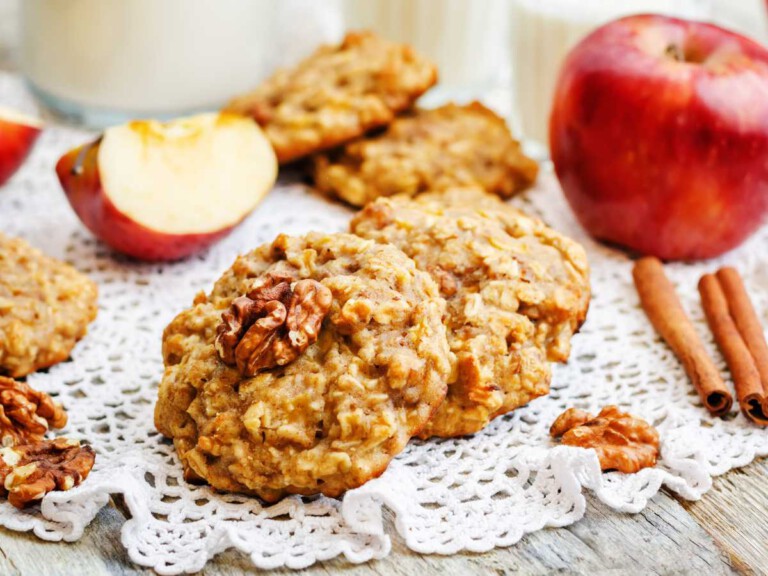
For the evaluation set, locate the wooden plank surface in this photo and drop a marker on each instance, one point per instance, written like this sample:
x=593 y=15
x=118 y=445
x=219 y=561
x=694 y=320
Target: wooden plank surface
x=724 y=533
x=734 y=514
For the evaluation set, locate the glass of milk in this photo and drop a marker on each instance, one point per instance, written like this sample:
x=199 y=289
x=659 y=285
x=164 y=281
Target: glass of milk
x=543 y=32
x=467 y=39
x=748 y=17
x=101 y=62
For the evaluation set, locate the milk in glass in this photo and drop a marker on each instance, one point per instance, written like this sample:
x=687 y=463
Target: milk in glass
x=106 y=61
x=465 y=38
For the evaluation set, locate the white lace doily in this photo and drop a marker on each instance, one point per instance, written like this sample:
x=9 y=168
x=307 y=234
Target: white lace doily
x=451 y=495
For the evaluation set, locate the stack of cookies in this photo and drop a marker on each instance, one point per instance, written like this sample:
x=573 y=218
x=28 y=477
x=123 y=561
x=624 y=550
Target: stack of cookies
x=349 y=110
x=315 y=359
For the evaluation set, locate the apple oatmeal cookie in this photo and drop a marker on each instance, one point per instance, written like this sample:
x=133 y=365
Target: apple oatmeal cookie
x=306 y=370
x=337 y=94
x=516 y=293
x=428 y=150
x=45 y=308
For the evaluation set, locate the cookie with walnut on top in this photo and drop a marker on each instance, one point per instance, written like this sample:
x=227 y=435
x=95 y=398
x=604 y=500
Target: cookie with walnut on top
x=307 y=368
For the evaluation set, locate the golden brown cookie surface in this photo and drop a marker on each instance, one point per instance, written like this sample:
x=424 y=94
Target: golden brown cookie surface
x=45 y=308
x=428 y=150
x=336 y=94
x=329 y=418
x=516 y=293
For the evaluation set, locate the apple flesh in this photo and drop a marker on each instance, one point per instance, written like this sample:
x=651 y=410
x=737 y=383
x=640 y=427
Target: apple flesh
x=659 y=136
x=162 y=191
x=17 y=136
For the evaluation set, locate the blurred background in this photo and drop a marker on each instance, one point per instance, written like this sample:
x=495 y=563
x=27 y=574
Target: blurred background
x=99 y=62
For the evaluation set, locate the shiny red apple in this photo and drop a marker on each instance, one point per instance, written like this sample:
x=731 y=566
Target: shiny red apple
x=659 y=136
x=162 y=191
x=17 y=136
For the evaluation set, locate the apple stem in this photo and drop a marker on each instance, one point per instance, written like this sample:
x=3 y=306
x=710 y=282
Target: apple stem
x=675 y=52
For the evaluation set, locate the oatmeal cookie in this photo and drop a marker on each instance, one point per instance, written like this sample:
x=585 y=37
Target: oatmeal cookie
x=516 y=293
x=45 y=308
x=367 y=376
x=428 y=150
x=337 y=94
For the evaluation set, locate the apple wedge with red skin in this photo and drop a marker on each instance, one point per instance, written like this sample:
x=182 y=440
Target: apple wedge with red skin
x=659 y=136
x=163 y=191
x=18 y=134
x=79 y=176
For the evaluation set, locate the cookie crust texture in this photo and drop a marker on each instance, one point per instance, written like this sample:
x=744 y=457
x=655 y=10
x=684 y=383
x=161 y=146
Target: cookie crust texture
x=338 y=93
x=45 y=308
x=334 y=417
x=516 y=293
x=428 y=150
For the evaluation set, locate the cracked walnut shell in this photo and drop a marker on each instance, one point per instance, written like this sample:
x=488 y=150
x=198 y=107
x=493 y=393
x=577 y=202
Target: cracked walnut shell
x=622 y=442
x=272 y=324
x=26 y=414
x=29 y=472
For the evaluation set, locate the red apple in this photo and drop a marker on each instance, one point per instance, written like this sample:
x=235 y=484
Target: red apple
x=659 y=136
x=17 y=135
x=162 y=191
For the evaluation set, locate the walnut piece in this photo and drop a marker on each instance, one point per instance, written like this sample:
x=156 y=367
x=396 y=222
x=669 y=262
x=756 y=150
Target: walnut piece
x=622 y=442
x=26 y=414
x=245 y=310
x=309 y=305
x=30 y=471
x=569 y=419
x=272 y=324
x=262 y=345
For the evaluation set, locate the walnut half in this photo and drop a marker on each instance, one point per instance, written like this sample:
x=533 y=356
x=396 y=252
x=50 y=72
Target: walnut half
x=26 y=414
x=29 y=472
x=272 y=324
x=622 y=442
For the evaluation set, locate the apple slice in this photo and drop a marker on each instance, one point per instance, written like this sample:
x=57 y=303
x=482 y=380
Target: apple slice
x=17 y=135
x=162 y=191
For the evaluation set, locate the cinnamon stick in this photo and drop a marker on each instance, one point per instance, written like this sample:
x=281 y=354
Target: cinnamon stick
x=746 y=378
x=663 y=308
x=747 y=323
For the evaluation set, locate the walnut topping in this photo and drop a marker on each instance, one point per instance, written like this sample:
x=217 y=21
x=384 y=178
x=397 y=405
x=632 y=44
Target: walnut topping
x=309 y=305
x=29 y=472
x=26 y=414
x=245 y=310
x=622 y=442
x=272 y=324
x=262 y=347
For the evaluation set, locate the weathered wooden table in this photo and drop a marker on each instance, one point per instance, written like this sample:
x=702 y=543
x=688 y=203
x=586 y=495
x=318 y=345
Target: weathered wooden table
x=724 y=533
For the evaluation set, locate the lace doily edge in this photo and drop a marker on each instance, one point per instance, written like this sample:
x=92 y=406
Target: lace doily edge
x=576 y=470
